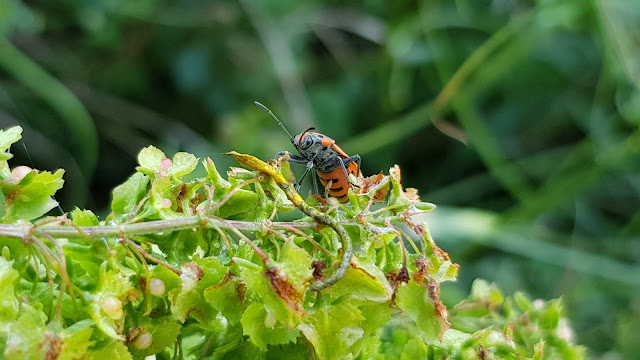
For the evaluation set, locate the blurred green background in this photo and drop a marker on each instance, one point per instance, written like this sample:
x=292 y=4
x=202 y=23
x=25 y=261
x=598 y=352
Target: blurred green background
x=519 y=119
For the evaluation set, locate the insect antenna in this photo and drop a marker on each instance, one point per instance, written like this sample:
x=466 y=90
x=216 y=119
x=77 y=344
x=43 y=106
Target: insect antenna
x=275 y=117
x=305 y=132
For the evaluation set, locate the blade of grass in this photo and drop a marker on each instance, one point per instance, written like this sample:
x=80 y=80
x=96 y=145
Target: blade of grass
x=83 y=137
x=489 y=149
x=485 y=228
x=567 y=185
x=390 y=132
x=277 y=43
x=487 y=71
x=403 y=126
x=620 y=30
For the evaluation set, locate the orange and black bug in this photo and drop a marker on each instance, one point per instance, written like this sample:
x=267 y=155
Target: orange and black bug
x=322 y=153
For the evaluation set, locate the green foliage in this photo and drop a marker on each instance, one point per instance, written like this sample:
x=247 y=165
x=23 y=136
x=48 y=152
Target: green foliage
x=26 y=193
x=180 y=269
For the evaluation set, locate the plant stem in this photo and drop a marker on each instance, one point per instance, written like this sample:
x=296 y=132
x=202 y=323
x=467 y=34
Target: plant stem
x=188 y=222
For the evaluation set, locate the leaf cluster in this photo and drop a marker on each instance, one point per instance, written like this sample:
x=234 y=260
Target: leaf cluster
x=201 y=267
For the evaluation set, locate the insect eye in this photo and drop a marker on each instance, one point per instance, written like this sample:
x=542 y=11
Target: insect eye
x=306 y=143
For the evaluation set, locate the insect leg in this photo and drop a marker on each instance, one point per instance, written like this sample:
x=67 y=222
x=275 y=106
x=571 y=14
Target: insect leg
x=280 y=154
x=357 y=160
x=349 y=160
x=293 y=158
x=314 y=176
x=296 y=159
x=309 y=167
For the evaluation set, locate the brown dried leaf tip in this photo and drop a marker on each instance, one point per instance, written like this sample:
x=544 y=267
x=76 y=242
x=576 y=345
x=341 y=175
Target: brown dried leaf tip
x=439 y=307
x=277 y=162
x=422 y=277
x=422 y=272
x=394 y=171
x=284 y=289
x=318 y=266
x=238 y=172
x=52 y=344
x=194 y=269
x=483 y=353
x=369 y=183
x=409 y=193
x=412 y=194
x=321 y=200
x=396 y=278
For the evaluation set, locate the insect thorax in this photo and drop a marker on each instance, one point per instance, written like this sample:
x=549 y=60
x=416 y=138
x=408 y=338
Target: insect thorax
x=324 y=157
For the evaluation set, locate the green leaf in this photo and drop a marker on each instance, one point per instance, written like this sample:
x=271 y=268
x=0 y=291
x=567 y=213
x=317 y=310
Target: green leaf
x=370 y=348
x=183 y=164
x=482 y=291
x=279 y=310
x=113 y=350
x=163 y=331
x=360 y=284
x=375 y=315
x=550 y=314
x=258 y=327
x=84 y=217
x=83 y=263
x=214 y=175
x=295 y=266
x=195 y=278
x=179 y=247
x=452 y=339
x=522 y=301
x=114 y=286
x=282 y=287
x=7 y=138
x=39 y=295
x=150 y=160
x=14 y=248
x=494 y=339
x=191 y=304
x=214 y=271
x=240 y=202
x=333 y=330
x=396 y=196
x=415 y=349
x=538 y=350
x=163 y=198
x=413 y=298
x=170 y=279
x=28 y=196
x=245 y=351
x=188 y=197
x=226 y=298
x=290 y=351
x=424 y=206
x=25 y=334
x=115 y=283
x=127 y=196
x=8 y=301
x=76 y=340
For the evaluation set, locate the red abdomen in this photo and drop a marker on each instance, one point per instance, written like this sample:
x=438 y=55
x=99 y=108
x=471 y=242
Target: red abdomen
x=339 y=184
